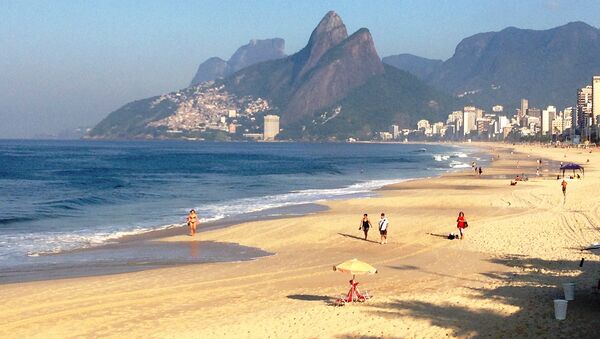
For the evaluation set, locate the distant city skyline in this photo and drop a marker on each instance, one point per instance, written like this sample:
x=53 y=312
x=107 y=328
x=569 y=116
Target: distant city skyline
x=69 y=63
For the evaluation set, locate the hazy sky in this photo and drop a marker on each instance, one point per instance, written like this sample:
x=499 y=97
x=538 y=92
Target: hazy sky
x=69 y=63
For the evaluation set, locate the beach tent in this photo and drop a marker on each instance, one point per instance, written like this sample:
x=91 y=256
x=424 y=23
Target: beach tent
x=573 y=167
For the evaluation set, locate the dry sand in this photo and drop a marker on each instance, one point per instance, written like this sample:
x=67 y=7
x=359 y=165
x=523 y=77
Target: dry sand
x=521 y=245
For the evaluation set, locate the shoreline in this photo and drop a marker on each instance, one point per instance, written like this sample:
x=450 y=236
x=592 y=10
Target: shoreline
x=499 y=281
x=147 y=239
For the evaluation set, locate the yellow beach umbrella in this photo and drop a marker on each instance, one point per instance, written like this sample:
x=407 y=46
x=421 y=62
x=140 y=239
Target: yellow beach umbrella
x=355 y=266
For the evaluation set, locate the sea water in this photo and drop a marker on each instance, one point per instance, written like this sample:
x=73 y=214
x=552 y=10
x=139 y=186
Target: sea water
x=58 y=196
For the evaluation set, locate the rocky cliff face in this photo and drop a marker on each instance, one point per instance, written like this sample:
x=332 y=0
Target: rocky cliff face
x=340 y=69
x=329 y=32
x=320 y=74
x=545 y=66
x=254 y=52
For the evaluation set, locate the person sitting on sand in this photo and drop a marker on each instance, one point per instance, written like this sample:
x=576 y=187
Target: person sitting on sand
x=461 y=224
x=192 y=221
x=383 y=228
x=365 y=224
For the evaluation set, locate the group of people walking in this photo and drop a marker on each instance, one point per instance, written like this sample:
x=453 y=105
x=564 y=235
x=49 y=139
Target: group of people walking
x=365 y=225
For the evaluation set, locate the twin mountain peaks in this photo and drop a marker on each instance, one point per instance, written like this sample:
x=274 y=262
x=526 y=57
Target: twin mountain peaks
x=337 y=86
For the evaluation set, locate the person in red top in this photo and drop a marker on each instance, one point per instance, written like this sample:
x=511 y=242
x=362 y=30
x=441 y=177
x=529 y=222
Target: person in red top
x=461 y=224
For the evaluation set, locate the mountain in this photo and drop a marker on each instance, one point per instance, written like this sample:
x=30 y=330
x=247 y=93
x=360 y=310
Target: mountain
x=323 y=72
x=254 y=52
x=421 y=67
x=545 y=66
x=335 y=87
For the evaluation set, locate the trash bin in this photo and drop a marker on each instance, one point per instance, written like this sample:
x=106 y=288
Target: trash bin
x=560 y=309
x=569 y=291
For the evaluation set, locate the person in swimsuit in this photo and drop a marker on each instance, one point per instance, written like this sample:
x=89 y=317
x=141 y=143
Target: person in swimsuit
x=365 y=224
x=192 y=222
x=461 y=224
x=563 y=184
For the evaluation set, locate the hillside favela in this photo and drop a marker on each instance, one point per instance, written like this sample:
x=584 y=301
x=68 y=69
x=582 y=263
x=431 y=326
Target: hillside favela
x=389 y=169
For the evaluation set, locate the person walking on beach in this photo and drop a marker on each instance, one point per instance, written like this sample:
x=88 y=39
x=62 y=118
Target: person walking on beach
x=563 y=184
x=365 y=224
x=192 y=222
x=383 y=228
x=461 y=224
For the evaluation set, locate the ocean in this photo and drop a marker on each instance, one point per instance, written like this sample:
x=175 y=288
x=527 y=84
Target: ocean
x=64 y=196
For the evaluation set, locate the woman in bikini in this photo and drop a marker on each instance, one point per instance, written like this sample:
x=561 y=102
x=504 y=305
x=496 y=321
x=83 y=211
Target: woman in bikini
x=192 y=221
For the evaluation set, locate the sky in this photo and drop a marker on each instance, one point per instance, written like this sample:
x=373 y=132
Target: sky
x=68 y=63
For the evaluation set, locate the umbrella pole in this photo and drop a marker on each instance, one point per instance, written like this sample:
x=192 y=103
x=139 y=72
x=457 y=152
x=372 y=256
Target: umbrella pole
x=353 y=287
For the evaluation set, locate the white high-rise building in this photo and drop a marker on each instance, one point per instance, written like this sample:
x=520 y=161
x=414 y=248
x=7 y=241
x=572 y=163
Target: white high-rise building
x=548 y=115
x=524 y=108
x=469 y=119
x=395 y=130
x=503 y=121
x=271 y=127
x=595 y=98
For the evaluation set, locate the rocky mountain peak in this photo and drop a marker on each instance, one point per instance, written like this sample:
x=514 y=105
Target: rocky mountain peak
x=329 y=32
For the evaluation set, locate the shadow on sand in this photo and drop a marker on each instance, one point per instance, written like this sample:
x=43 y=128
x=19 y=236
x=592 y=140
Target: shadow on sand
x=357 y=238
x=528 y=290
x=310 y=297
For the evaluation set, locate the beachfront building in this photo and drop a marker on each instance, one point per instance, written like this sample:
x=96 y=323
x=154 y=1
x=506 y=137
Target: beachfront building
x=271 y=127
x=395 y=130
x=436 y=129
x=548 y=115
x=503 y=121
x=423 y=125
x=483 y=126
x=523 y=110
x=595 y=98
x=469 y=119
x=557 y=126
x=584 y=110
x=454 y=120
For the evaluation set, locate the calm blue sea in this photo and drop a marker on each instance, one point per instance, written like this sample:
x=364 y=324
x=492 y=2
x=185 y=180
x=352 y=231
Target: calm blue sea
x=64 y=195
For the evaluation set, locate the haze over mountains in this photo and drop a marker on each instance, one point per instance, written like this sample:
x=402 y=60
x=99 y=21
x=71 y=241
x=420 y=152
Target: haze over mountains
x=545 y=66
x=254 y=52
x=337 y=86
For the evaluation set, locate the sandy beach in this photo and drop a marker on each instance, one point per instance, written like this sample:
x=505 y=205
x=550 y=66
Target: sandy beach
x=522 y=243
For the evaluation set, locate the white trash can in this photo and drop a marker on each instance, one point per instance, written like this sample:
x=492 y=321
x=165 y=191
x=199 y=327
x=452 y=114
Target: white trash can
x=560 y=309
x=569 y=289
